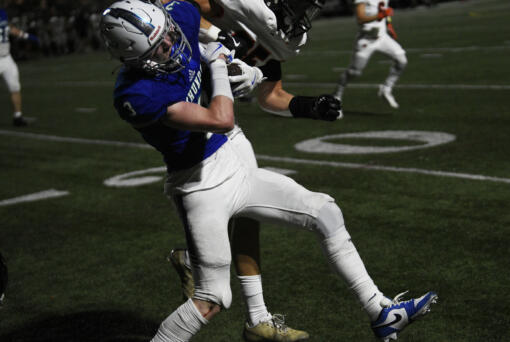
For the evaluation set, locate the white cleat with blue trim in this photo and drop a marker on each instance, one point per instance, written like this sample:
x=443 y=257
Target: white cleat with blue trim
x=394 y=318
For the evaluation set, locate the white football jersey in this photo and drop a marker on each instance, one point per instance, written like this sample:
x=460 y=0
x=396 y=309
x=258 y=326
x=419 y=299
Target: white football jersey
x=4 y=34
x=259 y=23
x=372 y=8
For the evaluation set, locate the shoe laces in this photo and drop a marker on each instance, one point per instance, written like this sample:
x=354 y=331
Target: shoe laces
x=279 y=322
x=396 y=300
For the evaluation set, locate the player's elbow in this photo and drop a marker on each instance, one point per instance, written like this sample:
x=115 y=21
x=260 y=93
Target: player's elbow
x=224 y=120
x=222 y=111
x=226 y=125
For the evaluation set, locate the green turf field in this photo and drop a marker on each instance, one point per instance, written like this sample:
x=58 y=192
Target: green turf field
x=90 y=263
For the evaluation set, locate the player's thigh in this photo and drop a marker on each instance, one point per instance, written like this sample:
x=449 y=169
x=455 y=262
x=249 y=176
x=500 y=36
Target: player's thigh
x=391 y=48
x=364 y=48
x=205 y=217
x=10 y=74
x=277 y=198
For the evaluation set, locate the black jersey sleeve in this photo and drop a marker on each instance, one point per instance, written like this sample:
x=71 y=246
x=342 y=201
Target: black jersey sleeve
x=272 y=70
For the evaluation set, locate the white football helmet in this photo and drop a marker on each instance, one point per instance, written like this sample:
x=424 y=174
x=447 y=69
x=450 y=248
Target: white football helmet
x=133 y=29
x=295 y=17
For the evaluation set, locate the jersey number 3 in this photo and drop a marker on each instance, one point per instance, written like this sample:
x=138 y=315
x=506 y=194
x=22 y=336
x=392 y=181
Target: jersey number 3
x=128 y=110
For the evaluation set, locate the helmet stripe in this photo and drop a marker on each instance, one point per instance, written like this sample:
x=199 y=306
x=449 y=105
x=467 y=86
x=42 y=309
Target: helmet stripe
x=140 y=23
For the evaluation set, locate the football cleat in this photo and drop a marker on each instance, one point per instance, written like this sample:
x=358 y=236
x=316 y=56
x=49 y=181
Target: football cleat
x=385 y=94
x=19 y=121
x=273 y=329
x=394 y=318
x=177 y=257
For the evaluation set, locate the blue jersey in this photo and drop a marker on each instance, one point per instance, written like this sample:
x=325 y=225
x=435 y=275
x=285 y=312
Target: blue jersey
x=4 y=34
x=142 y=100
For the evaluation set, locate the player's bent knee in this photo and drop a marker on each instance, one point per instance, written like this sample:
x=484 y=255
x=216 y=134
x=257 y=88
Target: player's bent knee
x=212 y=284
x=330 y=220
x=401 y=62
x=216 y=293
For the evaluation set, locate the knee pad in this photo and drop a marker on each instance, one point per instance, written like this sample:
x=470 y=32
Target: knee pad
x=330 y=220
x=212 y=284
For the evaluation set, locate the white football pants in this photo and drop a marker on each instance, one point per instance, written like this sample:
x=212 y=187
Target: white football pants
x=220 y=188
x=363 y=50
x=10 y=73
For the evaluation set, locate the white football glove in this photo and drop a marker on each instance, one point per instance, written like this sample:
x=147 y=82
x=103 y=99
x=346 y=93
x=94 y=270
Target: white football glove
x=249 y=79
x=211 y=51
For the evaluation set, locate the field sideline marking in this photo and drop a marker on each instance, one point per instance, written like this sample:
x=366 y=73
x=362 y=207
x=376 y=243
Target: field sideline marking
x=52 y=193
x=272 y=158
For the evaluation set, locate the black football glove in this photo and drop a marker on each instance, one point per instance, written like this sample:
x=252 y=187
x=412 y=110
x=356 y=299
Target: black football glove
x=327 y=108
x=323 y=107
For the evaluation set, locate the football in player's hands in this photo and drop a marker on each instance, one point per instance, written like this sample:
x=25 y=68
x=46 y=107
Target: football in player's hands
x=243 y=78
x=234 y=69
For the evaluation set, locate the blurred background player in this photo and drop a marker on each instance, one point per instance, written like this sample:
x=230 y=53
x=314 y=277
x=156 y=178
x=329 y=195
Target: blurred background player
x=8 y=68
x=376 y=33
x=265 y=37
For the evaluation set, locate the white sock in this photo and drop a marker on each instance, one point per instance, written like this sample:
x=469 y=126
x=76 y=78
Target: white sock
x=181 y=325
x=251 y=287
x=393 y=77
x=345 y=260
x=17 y=114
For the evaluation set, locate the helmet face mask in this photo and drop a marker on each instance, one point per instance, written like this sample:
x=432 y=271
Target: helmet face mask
x=295 y=17
x=133 y=30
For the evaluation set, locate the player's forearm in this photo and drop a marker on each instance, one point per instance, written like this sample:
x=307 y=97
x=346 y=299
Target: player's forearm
x=273 y=98
x=221 y=106
x=217 y=118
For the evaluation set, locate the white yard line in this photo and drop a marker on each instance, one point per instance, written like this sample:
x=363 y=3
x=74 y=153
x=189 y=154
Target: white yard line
x=412 y=50
x=95 y=84
x=404 y=86
x=436 y=173
x=385 y=168
x=38 y=196
x=71 y=140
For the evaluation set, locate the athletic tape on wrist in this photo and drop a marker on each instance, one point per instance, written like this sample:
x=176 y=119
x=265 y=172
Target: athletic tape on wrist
x=219 y=79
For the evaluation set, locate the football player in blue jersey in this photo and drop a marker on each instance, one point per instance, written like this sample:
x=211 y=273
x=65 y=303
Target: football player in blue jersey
x=157 y=92
x=263 y=34
x=8 y=68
